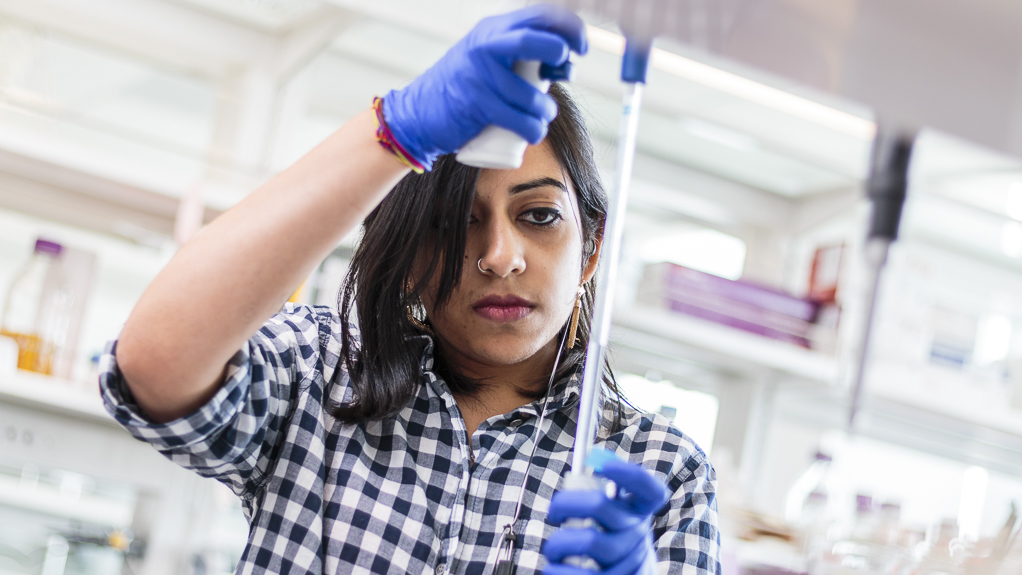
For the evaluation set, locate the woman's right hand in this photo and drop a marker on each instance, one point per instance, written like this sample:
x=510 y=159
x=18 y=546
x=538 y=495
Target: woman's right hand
x=474 y=85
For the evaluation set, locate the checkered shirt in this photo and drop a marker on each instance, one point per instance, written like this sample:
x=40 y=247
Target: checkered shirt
x=401 y=495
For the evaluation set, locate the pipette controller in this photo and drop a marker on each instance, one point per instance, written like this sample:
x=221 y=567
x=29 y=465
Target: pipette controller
x=633 y=73
x=887 y=188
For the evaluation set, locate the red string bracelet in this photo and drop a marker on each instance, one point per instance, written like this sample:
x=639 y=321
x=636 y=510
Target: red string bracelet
x=386 y=139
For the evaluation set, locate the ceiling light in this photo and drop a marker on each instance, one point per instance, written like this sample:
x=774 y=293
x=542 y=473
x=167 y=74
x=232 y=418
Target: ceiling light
x=744 y=88
x=719 y=135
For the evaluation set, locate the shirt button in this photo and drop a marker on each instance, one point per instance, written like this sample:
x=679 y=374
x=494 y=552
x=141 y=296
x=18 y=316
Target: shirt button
x=441 y=568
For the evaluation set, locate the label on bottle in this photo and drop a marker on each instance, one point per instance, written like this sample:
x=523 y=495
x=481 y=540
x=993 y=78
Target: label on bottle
x=34 y=353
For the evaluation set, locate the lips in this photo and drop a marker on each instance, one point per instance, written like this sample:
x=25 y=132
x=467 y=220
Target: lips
x=503 y=308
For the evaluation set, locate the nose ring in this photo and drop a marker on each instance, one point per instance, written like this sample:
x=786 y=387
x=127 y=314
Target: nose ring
x=479 y=264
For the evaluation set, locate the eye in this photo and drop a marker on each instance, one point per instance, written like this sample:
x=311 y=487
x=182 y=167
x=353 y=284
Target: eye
x=541 y=216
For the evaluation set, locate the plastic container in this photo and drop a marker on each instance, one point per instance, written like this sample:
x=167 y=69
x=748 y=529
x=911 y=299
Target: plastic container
x=37 y=308
x=888 y=530
x=866 y=518
x=815 y=523
x=498 y=148
x=813 y=479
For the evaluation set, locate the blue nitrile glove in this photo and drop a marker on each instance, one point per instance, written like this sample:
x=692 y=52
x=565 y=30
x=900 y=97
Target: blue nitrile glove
x=473 y=85
x=624 y=546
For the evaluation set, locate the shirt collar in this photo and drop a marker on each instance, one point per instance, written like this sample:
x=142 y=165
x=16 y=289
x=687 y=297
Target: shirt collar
x=565 y=394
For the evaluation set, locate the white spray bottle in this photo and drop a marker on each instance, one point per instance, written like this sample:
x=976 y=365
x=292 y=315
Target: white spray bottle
x=501 y=149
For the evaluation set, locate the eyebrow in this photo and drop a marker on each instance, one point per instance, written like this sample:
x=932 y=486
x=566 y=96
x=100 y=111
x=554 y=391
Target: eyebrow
x=537 y=183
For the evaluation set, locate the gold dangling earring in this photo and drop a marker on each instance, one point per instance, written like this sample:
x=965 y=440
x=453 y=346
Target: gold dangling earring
x=573 y=327
x=411 y=310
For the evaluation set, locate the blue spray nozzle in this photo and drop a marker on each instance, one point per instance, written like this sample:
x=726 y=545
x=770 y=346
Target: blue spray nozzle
x=636 y=60
x=598 y=457
x=562 y=72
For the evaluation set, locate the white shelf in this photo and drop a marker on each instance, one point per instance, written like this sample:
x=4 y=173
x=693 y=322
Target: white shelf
x=728 y=343
x=52 y=394
x=49 y=500
x=984 y=406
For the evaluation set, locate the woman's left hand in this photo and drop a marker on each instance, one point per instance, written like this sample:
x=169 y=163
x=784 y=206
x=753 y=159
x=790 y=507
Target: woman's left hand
x=624 y=545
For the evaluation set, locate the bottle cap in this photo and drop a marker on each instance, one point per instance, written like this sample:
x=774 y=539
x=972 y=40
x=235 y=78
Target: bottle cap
x=890 y=506
x=563 y=73
x=635 y=59
x=863 y=503
x=598 y=457
x=48 y=247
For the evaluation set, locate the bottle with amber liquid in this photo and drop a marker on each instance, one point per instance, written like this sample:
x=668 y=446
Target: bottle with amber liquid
x=37 y=309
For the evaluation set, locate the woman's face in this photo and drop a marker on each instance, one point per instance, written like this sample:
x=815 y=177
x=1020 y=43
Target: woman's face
x=525 y=233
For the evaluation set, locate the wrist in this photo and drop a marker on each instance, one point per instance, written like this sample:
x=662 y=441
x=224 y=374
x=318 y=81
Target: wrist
x=398 y=138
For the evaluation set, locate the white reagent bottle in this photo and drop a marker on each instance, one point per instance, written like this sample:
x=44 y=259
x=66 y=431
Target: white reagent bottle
x=498 y=148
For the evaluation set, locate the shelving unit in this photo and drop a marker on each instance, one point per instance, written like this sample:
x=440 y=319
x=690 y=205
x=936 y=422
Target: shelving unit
x=726 y=347
x=706 y=159
x=54 y=395
x=57 y=444
x=733 y=350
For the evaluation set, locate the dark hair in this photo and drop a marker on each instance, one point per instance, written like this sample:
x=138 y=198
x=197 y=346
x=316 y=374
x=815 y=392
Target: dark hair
x=423 y=221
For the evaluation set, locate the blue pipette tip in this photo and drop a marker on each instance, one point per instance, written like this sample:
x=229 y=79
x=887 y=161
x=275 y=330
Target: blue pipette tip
x=636 y=60
x=598 y=457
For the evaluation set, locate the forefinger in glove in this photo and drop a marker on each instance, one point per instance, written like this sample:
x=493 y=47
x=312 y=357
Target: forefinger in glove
x=611 y=514
x=647 y=493
x=605 y=548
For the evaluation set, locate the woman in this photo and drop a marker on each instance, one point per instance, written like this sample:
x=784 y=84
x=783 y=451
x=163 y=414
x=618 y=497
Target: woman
x=395 y=436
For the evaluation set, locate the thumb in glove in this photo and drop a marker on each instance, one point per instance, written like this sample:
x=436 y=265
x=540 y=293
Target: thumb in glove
x=622 y=540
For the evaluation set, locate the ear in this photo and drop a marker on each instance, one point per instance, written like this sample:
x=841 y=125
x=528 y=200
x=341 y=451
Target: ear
x=590 y=265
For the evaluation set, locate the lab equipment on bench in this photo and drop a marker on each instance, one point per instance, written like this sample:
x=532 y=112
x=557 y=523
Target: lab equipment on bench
x=810 y=488
x=76 y=487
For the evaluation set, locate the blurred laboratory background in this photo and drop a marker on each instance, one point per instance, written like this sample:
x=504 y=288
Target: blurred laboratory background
x=125 y=125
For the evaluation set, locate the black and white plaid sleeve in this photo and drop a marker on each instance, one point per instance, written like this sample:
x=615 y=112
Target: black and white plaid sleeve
x=233 y=436
x=685 y=532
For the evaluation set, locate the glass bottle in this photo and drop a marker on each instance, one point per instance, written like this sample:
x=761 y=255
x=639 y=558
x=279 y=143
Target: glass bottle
x=888 y=527
x=865 y=518
x=813 y=479
x=938 y=558
x=815 y=522
x=36 y=312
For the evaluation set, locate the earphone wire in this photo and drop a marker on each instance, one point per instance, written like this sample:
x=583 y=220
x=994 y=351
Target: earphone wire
x=509 y=529
x=508 y=534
